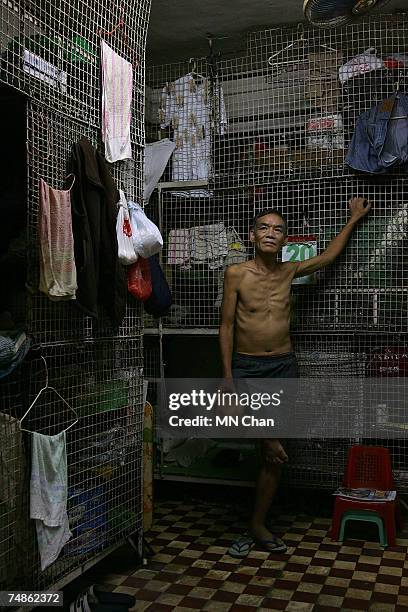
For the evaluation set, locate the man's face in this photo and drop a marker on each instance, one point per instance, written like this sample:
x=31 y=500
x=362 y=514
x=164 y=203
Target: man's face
x=269 y=234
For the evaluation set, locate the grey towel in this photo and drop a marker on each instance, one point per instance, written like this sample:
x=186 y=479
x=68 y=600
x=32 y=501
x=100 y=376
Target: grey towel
x=48 y=495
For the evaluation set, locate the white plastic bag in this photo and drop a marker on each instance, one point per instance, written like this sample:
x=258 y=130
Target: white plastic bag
x=126 y=251
x=360 y=64
x=147 y=239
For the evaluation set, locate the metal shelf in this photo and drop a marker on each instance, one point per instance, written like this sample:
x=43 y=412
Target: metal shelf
x=212 y=481
x=182 y=331
x=181 y=185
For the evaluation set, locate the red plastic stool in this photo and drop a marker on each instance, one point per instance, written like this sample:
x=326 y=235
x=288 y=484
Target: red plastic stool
x=368 y=467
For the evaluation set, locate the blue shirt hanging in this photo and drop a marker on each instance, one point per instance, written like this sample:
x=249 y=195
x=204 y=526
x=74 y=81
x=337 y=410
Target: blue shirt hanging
x=380 y=139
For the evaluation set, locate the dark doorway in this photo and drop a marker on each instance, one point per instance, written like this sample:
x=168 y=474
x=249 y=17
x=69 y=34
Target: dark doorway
x=13 y=208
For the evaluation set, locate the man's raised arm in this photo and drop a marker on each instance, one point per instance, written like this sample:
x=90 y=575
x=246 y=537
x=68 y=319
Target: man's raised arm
x=359 y=207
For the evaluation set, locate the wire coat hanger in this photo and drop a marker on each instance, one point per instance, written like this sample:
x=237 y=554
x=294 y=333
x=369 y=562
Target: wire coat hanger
x=46 y=388
x=299 y=41
x=192 y=63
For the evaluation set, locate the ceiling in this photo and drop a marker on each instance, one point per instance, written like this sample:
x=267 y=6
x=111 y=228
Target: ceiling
x=179 y=28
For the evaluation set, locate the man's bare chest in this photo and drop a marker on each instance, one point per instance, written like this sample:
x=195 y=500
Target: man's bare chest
x=265 y=293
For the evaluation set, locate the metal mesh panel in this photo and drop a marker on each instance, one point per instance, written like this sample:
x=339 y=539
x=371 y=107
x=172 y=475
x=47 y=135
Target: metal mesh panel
x=290 y=121
x=66 y=36
x=101 y=382
x=342 y=355
x=50 y=139
x=50 y=53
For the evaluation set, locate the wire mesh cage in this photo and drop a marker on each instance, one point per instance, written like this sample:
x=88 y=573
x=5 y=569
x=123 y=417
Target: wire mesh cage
x=280 y=121
x=51 y=52
x=50 y=59
x=281 y=118
x=97 y=383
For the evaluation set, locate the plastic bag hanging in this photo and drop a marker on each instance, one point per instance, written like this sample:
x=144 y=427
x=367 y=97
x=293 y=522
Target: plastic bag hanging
x=147 y=239
x=126 y=251
x=139 y=279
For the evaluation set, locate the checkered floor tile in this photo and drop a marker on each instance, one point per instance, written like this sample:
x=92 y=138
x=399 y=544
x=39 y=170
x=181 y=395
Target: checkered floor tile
x=191 y=569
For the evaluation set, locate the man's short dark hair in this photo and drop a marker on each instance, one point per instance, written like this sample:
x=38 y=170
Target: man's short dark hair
x=269 y=211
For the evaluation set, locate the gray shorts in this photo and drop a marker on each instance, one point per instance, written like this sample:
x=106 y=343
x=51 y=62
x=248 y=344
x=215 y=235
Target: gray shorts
x=265 y=366
x=273 y=366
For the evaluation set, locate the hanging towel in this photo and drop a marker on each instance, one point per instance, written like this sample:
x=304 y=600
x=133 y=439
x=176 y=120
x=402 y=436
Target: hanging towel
x=117 y=86
x=157 y=154
x=209 y=243
x=58 y=277
x=178 y=252
x=48 y=495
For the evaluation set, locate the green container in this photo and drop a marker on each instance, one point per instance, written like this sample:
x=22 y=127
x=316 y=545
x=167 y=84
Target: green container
x=104 y=396
x=80 y=51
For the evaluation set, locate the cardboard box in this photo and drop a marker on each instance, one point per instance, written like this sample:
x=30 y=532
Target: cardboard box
x=276 y=158
x=316 y=157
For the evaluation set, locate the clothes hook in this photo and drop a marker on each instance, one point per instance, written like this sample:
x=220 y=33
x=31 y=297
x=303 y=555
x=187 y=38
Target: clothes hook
x=120 y=26
x=103 y=32
x=193 y=64
x=46 y=370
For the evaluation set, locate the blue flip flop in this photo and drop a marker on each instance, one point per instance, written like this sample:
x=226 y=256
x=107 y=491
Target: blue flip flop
x=272 y=545
x=241 y=547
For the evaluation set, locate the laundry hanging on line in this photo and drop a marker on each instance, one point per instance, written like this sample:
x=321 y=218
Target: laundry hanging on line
x=199 y=244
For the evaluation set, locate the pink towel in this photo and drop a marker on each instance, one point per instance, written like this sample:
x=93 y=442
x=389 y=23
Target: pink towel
x=57 y=263
x=117 y=85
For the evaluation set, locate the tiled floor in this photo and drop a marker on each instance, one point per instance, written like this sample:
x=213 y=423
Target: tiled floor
x=191 y=570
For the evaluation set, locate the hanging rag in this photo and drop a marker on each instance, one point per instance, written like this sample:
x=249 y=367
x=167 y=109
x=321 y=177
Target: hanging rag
x=178 y=251
x=209 y=243
x=48 y=495
x=236 y=254
x=58 y=277
x=157 y=154
x=117 y=86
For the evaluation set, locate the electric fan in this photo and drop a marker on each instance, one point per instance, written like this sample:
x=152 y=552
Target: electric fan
x=333 y=13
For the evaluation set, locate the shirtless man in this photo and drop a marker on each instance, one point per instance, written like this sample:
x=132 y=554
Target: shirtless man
x=254 y=333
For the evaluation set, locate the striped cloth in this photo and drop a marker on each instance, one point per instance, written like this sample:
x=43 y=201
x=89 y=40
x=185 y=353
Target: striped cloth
x=117 y=85
x=58 y=277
